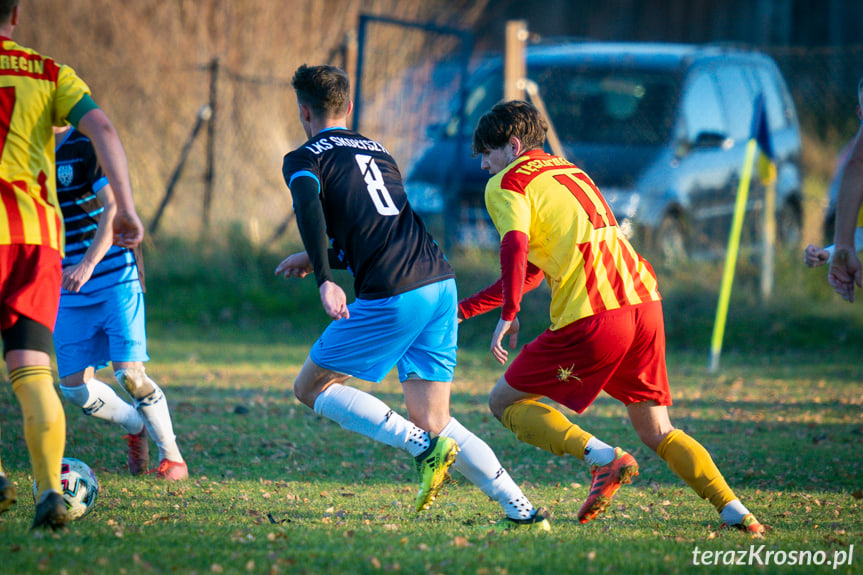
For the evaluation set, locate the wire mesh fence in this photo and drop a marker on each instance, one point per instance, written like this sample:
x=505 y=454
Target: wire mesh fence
x=412 y=80
x=823 y=81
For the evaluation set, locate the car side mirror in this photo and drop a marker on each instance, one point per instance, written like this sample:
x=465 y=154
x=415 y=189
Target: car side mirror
x=710 y=140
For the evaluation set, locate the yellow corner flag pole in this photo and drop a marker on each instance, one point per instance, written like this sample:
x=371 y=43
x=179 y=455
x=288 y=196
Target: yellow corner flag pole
x=731 y=256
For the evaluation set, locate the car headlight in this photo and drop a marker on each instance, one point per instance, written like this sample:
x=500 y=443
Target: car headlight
x=623 y=203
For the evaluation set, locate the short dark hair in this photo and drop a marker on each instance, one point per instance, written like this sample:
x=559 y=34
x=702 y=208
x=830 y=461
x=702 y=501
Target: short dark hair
x=507 y=119
x=6 y=7
x=325 y=89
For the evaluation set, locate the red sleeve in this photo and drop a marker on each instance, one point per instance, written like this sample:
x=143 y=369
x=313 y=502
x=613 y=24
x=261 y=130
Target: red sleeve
x=533 y=277
x=492 y=297
x=482 y=301
x=513 y=269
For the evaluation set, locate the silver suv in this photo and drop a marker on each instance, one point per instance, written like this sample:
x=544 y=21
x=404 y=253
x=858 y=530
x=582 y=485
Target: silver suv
x=661 y=128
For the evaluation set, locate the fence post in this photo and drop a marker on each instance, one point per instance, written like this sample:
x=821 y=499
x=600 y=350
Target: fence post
x=515 y=67
x=350 y=55
x=204 y=115
x=358 y=88
x=211 y=146
x=536 y=98
x=769 y=243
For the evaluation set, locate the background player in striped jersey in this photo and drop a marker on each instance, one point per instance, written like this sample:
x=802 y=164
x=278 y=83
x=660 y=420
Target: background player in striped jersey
x=607 y=329
x=101 y=315
x=37 y=93
x=349 y=188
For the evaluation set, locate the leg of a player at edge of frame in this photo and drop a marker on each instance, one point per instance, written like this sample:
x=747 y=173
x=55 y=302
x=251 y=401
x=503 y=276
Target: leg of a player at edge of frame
x=543 y=426
x=428 y=404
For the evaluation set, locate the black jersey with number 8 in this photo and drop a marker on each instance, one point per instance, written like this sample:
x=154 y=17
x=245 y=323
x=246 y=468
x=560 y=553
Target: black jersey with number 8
x=369 y=220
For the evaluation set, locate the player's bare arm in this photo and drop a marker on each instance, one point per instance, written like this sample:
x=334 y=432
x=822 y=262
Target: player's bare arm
x=128 y=229
x=504 y=328
x=334 y=300
x=814 y=256
x=74 y=277
x=296 y=265
x=845 y=270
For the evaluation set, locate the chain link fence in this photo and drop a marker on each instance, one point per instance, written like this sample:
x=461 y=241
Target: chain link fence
x=411 y=80
x=413 y=77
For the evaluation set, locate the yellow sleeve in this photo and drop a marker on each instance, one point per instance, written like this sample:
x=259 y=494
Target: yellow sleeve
x=510 y=211
x=70 y=90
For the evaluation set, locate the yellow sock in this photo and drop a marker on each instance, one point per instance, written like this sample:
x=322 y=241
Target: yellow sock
x=692 y=463
x=545 y=427
x=44 y=423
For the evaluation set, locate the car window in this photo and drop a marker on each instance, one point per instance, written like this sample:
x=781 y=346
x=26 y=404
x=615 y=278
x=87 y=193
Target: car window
x=599 y=106
x=608 y=106
x=485 y=93
x=776 y=117
x=737 y=100
x=702 y=111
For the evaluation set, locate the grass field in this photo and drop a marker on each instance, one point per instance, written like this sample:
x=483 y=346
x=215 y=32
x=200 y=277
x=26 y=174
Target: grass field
x=277 y=489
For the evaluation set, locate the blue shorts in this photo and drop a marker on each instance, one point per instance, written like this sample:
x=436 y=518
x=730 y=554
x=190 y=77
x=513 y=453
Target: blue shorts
x=416 y=331
x=106 y=331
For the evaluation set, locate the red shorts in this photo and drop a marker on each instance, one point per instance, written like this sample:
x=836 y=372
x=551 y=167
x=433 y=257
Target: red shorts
x=30 y=279
x=620 y=351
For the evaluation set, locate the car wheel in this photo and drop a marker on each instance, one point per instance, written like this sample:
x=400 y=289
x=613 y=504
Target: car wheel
x=671 y=243
x=789 y=227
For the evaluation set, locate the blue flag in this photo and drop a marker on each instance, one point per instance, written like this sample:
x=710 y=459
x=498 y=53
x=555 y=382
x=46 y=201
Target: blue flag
x=760 y=129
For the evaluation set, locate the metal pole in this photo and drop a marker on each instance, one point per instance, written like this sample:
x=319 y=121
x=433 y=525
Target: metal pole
x=361 y=45
x=536 y=98
x=203 y=115
x=211 y=146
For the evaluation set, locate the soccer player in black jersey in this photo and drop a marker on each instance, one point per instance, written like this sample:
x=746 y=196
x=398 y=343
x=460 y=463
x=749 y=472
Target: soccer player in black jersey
x=353 y=213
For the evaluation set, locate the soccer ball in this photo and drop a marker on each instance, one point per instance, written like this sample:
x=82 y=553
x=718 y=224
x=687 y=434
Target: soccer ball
x=79 y=485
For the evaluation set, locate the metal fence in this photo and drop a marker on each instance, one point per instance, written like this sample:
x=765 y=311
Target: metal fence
x=412 y=79
x=413 y=76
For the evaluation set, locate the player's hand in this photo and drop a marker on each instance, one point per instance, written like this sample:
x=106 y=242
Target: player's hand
x=845 y=272
x=295 y=266
x=128 y=229
x=74 y=277
x=334 y=300
x=813 y=256
x=503 y=328
x=460 y=316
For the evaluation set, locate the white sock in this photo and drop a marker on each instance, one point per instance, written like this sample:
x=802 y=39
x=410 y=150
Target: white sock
x=598 y=452
x=734 y=512
x=367 y=415
x=480 y=465
x=154 y=410
x=99 y=399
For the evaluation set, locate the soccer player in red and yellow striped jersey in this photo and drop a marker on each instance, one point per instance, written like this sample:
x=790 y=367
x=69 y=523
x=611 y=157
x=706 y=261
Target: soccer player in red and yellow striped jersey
x=37 y=93
x=607 y=332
